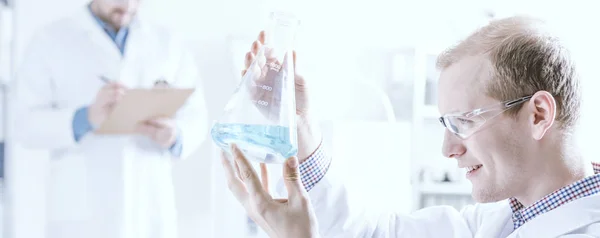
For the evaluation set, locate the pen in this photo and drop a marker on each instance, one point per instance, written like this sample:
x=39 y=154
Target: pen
x=105 y=79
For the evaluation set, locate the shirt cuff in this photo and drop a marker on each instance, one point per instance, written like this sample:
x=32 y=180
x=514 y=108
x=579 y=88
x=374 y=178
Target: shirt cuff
x=314 y=168
x=177 y=147
x=81 y=123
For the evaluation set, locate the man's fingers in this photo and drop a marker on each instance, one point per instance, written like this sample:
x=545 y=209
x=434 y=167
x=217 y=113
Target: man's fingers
x=264 y=177
x=255 y=47
x=108 y=99
x=294 y=59
x=118 y=91
x=114 y=88
x=233 y=182
x=146 y=129
x=110 y=94
x=159 y=122
x=248 y=60
x=165 y=136
x=247 y=173
x=237 y=168
x=261 y=37
x=116 y=96
x=252 y=64
x=291 y=175
x=114 y=85
x=280 y=200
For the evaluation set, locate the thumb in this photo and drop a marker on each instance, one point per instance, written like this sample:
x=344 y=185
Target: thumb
x=291 y=174
x=297 y=67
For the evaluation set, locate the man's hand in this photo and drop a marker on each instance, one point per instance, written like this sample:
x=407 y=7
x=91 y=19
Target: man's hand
x=290 y=218
x=162 y=130
x=309 y=135
x=104 y=103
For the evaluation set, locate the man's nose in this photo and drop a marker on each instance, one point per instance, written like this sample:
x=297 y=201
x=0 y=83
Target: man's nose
x=452 y=146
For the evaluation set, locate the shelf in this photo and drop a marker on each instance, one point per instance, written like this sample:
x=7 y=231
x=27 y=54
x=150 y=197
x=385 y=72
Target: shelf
x=445 y=188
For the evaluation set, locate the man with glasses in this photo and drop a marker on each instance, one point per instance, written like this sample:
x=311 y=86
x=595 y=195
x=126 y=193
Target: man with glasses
x=75 y=71
x=510 y=99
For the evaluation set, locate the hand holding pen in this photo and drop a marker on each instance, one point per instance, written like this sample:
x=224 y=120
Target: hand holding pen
x=106 y=98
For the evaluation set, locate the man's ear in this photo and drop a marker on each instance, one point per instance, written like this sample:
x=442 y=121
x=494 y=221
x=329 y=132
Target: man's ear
x=542 y=111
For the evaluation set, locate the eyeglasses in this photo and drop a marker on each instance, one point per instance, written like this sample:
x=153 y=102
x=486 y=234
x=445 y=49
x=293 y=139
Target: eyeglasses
x=464 y=124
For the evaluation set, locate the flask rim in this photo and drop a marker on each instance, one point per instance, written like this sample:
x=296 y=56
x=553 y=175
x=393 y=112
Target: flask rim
x=285 y=18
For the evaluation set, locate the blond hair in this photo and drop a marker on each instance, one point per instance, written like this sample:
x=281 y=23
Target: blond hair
x=526 y=58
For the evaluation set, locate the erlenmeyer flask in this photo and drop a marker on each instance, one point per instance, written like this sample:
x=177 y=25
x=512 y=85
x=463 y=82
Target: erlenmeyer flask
x=260 y=117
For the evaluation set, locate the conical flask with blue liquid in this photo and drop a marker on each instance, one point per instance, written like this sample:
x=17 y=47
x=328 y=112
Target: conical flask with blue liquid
x=260 y=117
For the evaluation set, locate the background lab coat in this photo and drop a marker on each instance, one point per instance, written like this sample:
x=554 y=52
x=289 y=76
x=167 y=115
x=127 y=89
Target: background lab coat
x=103 y=186
x=340 y=217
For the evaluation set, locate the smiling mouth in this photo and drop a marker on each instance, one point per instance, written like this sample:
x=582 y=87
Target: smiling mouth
x=472 y=169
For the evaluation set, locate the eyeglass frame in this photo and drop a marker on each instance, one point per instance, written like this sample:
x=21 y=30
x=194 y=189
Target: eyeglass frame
x=501 y=106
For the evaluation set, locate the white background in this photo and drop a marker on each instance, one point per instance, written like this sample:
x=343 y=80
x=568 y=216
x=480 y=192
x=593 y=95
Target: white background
x=335 y=34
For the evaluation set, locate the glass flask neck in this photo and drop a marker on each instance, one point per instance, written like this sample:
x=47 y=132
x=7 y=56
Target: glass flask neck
x=284 y=19
x=282 y=32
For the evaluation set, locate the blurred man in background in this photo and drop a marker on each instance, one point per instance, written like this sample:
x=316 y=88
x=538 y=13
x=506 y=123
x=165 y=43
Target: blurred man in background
x=510 y=97
x=74 y=72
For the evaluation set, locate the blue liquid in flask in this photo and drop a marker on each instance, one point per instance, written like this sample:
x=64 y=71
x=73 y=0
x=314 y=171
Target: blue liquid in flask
x=263 y=143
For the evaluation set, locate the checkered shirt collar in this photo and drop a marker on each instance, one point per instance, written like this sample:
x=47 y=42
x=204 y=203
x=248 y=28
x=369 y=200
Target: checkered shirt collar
x=582 y=188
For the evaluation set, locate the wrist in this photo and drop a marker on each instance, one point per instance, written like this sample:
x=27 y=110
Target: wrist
x=175 y=139
x=90 y=114
x=309 y=137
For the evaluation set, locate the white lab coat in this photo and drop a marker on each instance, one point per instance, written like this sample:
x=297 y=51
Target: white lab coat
x=104 y=186
x=339 y=216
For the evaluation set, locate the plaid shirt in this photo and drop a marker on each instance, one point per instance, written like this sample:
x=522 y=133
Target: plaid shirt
x=582 y=188
x=315 y=167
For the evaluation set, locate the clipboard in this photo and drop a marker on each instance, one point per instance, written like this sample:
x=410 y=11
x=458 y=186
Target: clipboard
x=138 y=105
